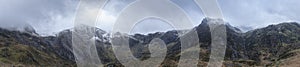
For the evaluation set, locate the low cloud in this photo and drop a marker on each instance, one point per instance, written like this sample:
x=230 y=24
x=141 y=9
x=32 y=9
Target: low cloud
x=46 y=16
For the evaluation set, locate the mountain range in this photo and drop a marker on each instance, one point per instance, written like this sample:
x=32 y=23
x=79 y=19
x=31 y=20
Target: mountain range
x=274 y=45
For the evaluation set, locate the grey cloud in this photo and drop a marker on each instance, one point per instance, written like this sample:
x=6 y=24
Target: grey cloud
x=259 y=13
x=52 y=16
x=114 y=7
x=35 y=9
x=151 y=26
x=41 y=14
x=191 y=9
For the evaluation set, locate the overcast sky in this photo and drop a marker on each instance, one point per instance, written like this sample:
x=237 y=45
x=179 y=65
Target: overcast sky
x=51 y=16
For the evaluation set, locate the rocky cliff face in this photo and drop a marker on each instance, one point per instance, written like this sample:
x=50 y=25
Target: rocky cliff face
x=271 y=46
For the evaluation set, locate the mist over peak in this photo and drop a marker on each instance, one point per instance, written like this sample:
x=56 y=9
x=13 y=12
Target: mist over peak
x=16 y=25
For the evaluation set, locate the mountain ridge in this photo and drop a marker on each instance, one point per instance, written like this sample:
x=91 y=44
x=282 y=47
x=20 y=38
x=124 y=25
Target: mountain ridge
x=252 y=48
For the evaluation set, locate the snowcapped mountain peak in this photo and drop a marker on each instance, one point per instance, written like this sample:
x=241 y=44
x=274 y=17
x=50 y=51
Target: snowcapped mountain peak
x=208 y=20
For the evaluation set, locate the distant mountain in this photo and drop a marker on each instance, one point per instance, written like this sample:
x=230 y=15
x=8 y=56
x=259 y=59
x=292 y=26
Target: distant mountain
x=275 y=45
x=245 y=28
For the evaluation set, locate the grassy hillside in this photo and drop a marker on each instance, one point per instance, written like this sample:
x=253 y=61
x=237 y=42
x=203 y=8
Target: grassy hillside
x=16 y=54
